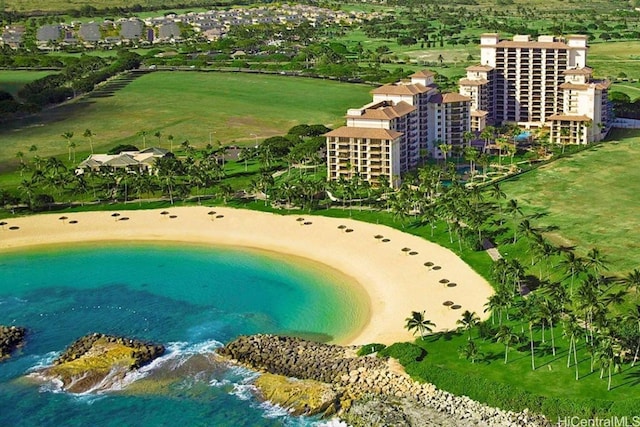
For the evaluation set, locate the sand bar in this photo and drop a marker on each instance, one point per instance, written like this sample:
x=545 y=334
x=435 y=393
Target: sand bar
x=390 y=268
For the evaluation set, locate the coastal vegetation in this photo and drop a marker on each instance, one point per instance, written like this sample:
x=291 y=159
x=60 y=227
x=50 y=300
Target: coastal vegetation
x=283 y=173
x=563 y=334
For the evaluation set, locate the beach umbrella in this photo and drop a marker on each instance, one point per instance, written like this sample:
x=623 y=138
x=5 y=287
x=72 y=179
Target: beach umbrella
x=378 y=237
x=436 y=267
x=451 y=285
x=456 y=307
x=386 y=240
x=115 y=215
x=428 y=264
x=342 y=227
x=444 y=281
x=73 y=221
x=63 y=219
x=413 y=253
x=173 y=216
x=349 y=230
x=2 y=224
x=164 y=213
x=300 y=219
x=124 y=218
x=14 y=227
x=308 y=223
x=405 y=250
x=447 y=303
x=219 y=216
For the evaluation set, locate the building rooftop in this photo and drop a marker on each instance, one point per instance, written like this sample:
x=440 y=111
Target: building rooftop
x=445 y=98
x=579 y=71
x=369 y=133
x=479 y=68
x=532 y=44
x=423 y=73
x=473 y=82
x=384 y=111
x=569 y=118
x=401 y=89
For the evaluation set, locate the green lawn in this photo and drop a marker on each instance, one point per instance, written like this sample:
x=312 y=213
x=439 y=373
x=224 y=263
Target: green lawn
x=551 y=379
x=12 y=81
x=631 y=89
x=226 y=107
x=611 y=58
x=591 y=197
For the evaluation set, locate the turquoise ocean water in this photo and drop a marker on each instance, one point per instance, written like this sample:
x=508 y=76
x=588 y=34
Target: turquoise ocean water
x=192 y=299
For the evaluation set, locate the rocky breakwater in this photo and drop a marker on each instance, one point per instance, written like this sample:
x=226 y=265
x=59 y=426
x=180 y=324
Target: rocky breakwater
x=11 y=337
x=368 y=391
x=98 y=362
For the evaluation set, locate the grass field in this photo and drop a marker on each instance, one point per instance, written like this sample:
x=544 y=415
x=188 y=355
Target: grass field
x=591 y=197
x=612 y=58
x=194 y=106
x=12 y=81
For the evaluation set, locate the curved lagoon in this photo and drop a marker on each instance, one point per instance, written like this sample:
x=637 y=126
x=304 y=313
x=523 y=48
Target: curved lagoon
x=188 y=297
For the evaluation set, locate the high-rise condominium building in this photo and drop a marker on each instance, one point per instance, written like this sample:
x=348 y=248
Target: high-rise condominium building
x=538 y=83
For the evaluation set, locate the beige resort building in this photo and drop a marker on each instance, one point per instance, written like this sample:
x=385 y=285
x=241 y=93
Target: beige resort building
x=541 y=83
x=406 y=122
x=139 y=161
x=538 y=83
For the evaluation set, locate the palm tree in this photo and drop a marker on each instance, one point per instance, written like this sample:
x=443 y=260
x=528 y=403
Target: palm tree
x=497 y=193
x=506 y=336
x=596 y=260
x=471 y=154
x=608 y=358
x=571 y=329
x=632 y=280
x=470 y=351
x=530 y=313
x=27 y=188
x=170 y=138
x=73 y=146
x=514 y=210
x=68 y=136
x=488 y=134
x=158 y=135
x=467 y=137
x=88 y=134
x=548 y=311
x=143 y=134
x=468 y=321
x=634 y=316
x=445 y=149
x=418 y=323
x=573 y=265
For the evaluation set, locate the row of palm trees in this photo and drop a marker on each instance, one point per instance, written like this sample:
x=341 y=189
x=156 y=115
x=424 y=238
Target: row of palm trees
x=548 y=290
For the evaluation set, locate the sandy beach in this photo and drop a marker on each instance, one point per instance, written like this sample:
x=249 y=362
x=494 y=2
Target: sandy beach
x=396 y=280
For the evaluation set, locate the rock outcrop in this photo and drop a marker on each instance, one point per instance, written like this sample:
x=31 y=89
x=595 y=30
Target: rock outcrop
x=11 y=337
x=302 y=397
x=97 y=362
x=371 y=390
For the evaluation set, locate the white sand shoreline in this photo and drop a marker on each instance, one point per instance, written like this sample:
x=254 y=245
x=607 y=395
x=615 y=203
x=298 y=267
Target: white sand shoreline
x=395 y=281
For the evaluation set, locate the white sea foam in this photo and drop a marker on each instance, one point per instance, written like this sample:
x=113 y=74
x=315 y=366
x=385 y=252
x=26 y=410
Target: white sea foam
x=271 y=410
x=42 y=361
x=243 y=391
